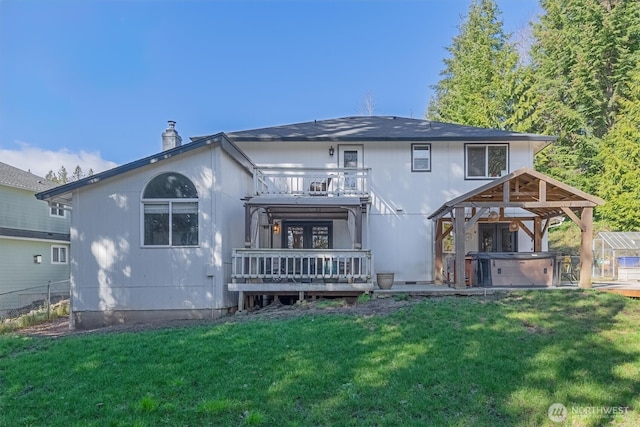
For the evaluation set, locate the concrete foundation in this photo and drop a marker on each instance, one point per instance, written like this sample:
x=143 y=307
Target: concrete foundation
x=99 y=319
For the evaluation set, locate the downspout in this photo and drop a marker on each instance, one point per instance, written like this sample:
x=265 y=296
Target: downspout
x=72 y=323
x=213 y=232
x=368 y=245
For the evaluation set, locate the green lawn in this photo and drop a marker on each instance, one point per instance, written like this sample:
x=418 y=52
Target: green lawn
x=442 y=361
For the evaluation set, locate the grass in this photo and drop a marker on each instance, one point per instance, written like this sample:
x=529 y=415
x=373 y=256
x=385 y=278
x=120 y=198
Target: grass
x=443 y=361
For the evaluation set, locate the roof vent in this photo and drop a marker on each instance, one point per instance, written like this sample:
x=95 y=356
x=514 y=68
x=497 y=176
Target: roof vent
x=170 y=137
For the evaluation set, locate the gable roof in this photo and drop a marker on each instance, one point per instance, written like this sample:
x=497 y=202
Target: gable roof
x=359 y=128
x=63 y=192
x=382 y=128
x=526 y=189
x=17 y=178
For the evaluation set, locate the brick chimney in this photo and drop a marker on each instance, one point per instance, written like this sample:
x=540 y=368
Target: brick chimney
x=170 y=137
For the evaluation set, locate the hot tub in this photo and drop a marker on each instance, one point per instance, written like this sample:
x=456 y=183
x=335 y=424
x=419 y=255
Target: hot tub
x=507 y=269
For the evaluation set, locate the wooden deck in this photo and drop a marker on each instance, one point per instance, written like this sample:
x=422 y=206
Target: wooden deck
x=444 y=290
x=627 y=289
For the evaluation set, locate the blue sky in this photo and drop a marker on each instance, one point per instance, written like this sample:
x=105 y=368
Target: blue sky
x=94 y=82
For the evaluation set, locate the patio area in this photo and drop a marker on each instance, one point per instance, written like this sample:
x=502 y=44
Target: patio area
x=444 y=290
x=628 y=289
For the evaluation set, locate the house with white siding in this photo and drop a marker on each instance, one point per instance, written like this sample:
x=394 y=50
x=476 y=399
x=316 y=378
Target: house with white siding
x=152 y=239
x=203 y=228
x=34 y=237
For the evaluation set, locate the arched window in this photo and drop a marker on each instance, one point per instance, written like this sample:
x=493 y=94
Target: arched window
x=170 y=206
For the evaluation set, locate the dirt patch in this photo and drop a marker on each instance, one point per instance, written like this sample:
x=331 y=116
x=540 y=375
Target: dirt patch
x=375 y=307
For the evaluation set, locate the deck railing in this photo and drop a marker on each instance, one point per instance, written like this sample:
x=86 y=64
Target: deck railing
x=282 y=265
x=311 y=181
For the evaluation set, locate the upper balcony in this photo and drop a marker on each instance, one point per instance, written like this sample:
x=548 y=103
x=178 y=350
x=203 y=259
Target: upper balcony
x=274 y=181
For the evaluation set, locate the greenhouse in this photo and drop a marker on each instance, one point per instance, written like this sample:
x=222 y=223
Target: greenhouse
x=616 y=255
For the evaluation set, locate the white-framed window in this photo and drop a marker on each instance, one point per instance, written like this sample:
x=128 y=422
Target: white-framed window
x=57 y=210
x=170 y=211
x=484 y=161
x=420 y=157
x=59 y=255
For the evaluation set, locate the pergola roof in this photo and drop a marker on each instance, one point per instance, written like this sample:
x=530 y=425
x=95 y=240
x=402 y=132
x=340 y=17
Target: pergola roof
x=526 y=189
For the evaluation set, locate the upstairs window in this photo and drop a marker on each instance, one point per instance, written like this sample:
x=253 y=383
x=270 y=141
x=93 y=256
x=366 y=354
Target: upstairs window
x=484 y=161
x=170 y=211
x=58 y=255
x=421 y=157
x=57 y=210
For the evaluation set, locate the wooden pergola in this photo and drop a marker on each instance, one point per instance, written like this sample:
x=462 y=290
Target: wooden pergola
x=537 y=198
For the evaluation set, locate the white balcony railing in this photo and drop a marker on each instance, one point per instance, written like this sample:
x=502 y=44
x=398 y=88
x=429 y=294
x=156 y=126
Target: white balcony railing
x=293 y=265
x=311 y=181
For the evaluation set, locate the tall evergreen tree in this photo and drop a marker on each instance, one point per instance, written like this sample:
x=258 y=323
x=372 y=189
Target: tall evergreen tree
x=63 y=177
x=582 y=58
x=620 y=156
x=77 y=173
x=51 y=176
x=480 y=76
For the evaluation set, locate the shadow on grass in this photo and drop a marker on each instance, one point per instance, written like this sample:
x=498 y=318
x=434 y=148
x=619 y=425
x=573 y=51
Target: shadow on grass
x=445 y=361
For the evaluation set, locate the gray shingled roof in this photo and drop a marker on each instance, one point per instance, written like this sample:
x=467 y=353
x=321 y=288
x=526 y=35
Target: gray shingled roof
x=17 y=178
x=220 y=139
x=380 y=128
x=360 y=128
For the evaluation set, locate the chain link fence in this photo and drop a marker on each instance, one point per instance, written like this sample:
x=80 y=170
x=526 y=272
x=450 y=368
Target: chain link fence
x=22 y=301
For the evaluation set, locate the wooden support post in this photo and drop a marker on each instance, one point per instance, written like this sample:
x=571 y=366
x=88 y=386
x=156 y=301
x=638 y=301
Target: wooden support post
x=460 y=282
x=506 y=192
x=358 y=239
x=240 y=301
x=542 y=191
x=537 y=234
x=586 y=250
x=247 y=226
x=437 y=265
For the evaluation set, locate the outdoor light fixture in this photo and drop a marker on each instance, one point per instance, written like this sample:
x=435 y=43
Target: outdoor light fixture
x=37 y=259
x=331 y=151
x=276 y=227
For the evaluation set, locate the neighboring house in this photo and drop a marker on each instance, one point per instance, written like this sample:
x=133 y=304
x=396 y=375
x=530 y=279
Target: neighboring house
x=34 y=237
x=316 y=207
